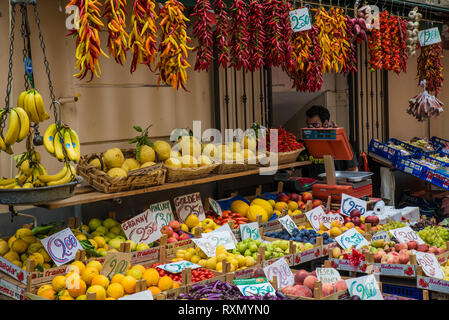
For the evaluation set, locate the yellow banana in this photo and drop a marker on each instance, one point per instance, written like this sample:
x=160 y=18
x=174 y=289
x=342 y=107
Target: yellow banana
x=9 y=186
x=58 y=141
x=39 y=102
x=27 y=186
x=2 y=144
x=9 y=150
x=31 y=106
x=24 y=123
x=5 y=182
x=41 y=170
x=49 y=137
x=21 y=100
x=13 y=129
x=68 y=145
x=76 y=144
x=58 y=176
x=66 y=179
x=21 y=178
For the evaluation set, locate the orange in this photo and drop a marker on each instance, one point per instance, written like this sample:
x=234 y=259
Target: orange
x=58 y=283
x=77 y=266
x=349 y=225
x=88 y=274
x=335 y=223
x=79 y=290
x=139 y=267
x=151 y=276
x=135 y=273
x=176 y=285
x=100 y=280
x=96 y=264
x=154 y=290
x=115 y=291
x=129 y=284
x=165 y=283
x=292 y=205
x=117 y=278
x=48 y=293
x=335 y=232
x=98 y=290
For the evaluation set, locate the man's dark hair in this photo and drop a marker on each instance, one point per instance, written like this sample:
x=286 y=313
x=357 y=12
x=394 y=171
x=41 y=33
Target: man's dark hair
x=319 y=111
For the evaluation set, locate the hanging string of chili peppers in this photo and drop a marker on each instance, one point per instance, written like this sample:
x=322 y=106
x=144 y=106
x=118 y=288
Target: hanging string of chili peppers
x=202 y=30
x=430 y=67
x=403 y=50
x=350 y=65
x=88 y=48
x=286 y=35
x=332 y=38
x=142 y=38
x=173 y=48
x=221 y=33
x=257 y=35
x=115 y=13
x=239 y=35
x=273 y=32
x=375 y=50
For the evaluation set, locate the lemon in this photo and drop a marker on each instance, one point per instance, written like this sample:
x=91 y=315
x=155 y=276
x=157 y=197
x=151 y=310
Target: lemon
x=204 y=161
x=114 y=158
x=117 y=173
x=248 y=154
x=3 y=247
x=130 y=164
x=162 y=149
x=173 y=163
x=189 y=146
x=235 y=146
x=189 y=161
x=264 y=204
x=96 y=163
x=23 y=232
x=147 y=154
x=255 y=210
x=192 y=221
x=211 y=263
x=11 y=256
x=19 y=246
x=148 y=164
x=249 y=143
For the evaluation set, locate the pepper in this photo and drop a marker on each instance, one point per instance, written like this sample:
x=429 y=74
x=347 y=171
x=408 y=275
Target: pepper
x=239 y=41
x=221 y=33
x=115 y=12
x=430 y=67
x=202 y=30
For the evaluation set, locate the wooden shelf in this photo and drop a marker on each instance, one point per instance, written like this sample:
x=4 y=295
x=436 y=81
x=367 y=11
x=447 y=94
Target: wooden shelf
x=86 y=195
x=380 y=160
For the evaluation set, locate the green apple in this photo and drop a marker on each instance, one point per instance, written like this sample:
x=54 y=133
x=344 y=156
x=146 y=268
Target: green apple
x=267 y=254
x=241 y=247
x=235 y=251
x=115 y=243
x=253 y=247
x=110 y=235
x=248 y=253
x=255 y=254
x=284 y=245
x=258 y=242
x=94 y=224
x=116 y=230
x=101 y=230
x=120 y=238
x=109 y=223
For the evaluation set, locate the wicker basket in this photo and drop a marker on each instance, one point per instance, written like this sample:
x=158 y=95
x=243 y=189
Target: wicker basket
x=287 y=157
x=136 y=179
x=225 y=168
x=181 y=174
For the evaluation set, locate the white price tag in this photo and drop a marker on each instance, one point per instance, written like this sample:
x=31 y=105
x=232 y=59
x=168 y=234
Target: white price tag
x=351 y=238
x=429 y=264
x=365 y=287
x=280 y=269
x=62 y=246
x=327 y=275
x=215 y=206
x=208 y=246
x=327 y=219
x=429 y=36
x=223 y=228
x=300 y=20
x=381 y=235
x=144 y=295
x=179 y=266
x=315 y=217
x=142 y=228
x=163 y=213
x=250 y=230
x=254 y=286
x=349 y=203
x=223 y=238
x=189 y=204
x=288 y=224
x=405 y=235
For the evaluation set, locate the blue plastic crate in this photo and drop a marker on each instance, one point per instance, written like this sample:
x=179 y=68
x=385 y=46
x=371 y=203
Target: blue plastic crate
x=410 y=166
x=388 y=153
x=402 y=291
x=442 y=145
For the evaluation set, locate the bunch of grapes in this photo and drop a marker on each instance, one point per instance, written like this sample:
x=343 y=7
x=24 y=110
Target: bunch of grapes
x=421 y=224
x=435 y=236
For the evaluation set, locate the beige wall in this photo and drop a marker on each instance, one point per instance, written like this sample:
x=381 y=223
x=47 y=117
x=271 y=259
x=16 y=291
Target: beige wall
x=403 y=87
x=108 y=107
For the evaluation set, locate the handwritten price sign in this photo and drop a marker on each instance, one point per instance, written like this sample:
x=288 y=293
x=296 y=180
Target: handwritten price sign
x=288 y=224
x=254 y=286
x=315 y=217
x=143 y=228
x=429 y=36
x=280 y=269
x=351 y=238
x=300 y=20
x=163 y=213
x=429 y=264
x=381 y=235
x=250 y=230
x=189 y=204
x=220 y=239
x=349 y=203
x=62 y=246
x=223 y=228
x=178 y=266
x=116 y=262
x=207 y=245
x=215 y=206
x=327 y=219
x=365 y=287
x=405 y=235
x=327 y=275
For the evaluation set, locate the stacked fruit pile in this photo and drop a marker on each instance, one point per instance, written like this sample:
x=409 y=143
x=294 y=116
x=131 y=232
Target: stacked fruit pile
x=176 y=231
x=82 y=279
x=275 y=249
x=237 y=261
x=435 y=236
x=199 y=274
x=305 y=283
x=226 y=217
x=287 y=142
x=302 y=236
x=193 y=222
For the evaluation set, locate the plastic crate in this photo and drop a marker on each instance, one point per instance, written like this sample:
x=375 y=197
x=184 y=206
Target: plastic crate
x=441 y=144
x=409 y=165
x=388 y=153
x=402 y=291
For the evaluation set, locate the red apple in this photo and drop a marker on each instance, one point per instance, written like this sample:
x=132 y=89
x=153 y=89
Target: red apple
x=433 y=250
x=374 y=220
x=300 y=276
x=412 y=245
x=316 y=203
x=175 y=235
x=355 y=213
x=347 y=219
x=423 y=247
x=175 y=225
x=167 y=230
x=356 y=221
x=171 y=240
x=306 y=196
x=294 y=197
x=184 y=236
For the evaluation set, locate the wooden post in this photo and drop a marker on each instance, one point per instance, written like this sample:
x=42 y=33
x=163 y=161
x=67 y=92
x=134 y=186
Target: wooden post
x=367 y=227
x=186 y=276
x=368 y=237
x=327 y=264
x=91 y=296
x=261 y=232
x=198 y=232
x=308 y=206
x=229 y=277
x=141 y=285
x=412 y=259
x=319 y=241
x=317 y=290
x=330 y=253
x=31 y=264
x=292 y=247
x=370 y=257
x=259 y=219
x=280 y=187
x=329 y=167
x=425 y=295
x=259 y=190
x=112 y=215
x=419 y=271
x=71 y=223
x=231 y=224
x=274 y=282
x=329 y=203
x=226 y=267
x=207 y=205
x=125 y=247
x=163 y=240
x=262 y=254
x=29 y=281
x=163 y=254
x=160 y=296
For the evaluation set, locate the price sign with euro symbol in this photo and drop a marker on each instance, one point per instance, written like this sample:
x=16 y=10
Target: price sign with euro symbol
x=62 y=246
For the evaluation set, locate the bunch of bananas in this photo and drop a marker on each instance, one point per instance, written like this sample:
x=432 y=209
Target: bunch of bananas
x=19 y=127
x=57 y=138
x=31 y=101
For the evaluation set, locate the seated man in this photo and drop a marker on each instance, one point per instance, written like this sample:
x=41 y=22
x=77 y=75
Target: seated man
x=319 y=117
